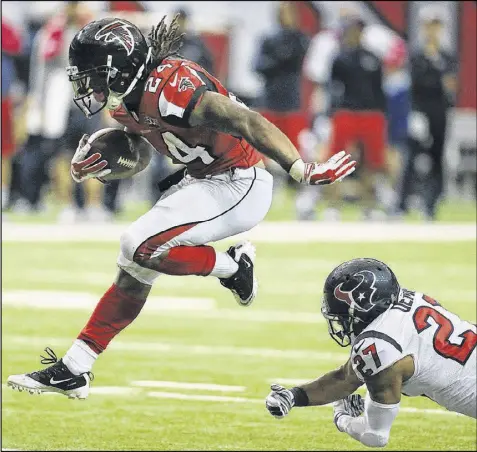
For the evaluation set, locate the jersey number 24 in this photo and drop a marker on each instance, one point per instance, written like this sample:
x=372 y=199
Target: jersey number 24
x=184 y=153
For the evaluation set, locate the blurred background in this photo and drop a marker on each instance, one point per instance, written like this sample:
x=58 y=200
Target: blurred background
x=392 y=82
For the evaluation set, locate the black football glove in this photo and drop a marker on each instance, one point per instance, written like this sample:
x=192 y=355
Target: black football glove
x=280 y=401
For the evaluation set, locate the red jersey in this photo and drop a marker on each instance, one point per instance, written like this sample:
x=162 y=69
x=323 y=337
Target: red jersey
x=171 y=92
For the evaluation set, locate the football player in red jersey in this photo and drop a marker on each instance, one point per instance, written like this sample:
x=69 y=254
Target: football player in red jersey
x=187 y=114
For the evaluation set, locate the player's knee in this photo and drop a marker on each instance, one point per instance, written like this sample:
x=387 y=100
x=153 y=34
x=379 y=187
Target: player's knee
x=141 y=252
x=129 y=244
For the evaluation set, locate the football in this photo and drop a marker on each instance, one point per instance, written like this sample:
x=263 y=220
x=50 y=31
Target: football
x=119 y=148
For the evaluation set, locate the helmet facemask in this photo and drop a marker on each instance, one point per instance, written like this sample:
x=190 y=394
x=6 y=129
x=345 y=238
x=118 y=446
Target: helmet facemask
x=93 y=88
x=343 y=328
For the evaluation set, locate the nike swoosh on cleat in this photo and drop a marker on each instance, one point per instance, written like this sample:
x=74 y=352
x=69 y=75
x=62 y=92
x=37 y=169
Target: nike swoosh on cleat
x=55 y=382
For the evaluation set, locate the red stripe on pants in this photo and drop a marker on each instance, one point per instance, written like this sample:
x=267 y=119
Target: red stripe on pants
x=179 y=260
x=149 y=247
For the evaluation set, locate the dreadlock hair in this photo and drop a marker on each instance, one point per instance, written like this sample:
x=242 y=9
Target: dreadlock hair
x=165 y=41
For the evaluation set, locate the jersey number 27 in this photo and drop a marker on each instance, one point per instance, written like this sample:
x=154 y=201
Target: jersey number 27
x=442 y=345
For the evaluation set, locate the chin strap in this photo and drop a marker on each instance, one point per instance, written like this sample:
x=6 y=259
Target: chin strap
x=116 y=99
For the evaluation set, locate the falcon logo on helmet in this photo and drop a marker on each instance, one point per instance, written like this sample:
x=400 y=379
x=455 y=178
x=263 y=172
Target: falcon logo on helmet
x=364 y=296
x=117 y=31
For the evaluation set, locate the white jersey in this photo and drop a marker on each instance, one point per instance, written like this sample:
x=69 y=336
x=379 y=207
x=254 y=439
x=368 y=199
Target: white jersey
x=442 y=345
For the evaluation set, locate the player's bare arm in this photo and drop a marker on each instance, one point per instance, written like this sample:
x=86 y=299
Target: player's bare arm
x=381 y=408
x=222 y=114
x=385 y=387
x=334 y=385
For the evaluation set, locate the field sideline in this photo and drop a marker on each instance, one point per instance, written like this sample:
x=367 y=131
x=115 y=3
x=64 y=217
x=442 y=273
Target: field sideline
x=192 y=372
x=267 y=232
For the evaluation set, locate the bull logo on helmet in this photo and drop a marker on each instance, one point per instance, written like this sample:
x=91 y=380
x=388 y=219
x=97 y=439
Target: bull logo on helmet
x=359 y=296
x=117 y=31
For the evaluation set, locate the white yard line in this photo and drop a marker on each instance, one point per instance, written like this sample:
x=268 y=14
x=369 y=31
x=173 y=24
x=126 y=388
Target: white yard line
x=213 y=398
x=279 y=287
x=127 y=391
x=289 y=381
x=199 y=397
x=107 y=390
x=98 y=390
x=113 y=390
x=261 y=316
x=203 y=308
x=159 y=347
x=287 y=232
x=46 y=299
x=186 y=385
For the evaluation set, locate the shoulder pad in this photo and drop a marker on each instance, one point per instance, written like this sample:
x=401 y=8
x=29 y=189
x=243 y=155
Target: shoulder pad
x=373 y=352
x=180 y=93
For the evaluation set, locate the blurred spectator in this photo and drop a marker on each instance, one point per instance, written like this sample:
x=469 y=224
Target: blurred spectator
x=433 y=74
x=317 y=65
x=54 y=127
x=316 y=68
x=49 y=100
x=397 y=88
x=323 y=49
x=193 y=47
x=358 y=122
x=11 y=47
x=280 y=61
x=126 y=6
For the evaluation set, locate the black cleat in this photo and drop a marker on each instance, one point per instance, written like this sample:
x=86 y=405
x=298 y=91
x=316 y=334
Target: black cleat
x=243 y=283
x=56 y=378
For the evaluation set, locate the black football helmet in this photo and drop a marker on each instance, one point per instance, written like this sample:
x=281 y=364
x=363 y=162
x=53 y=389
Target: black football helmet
x=355 y=293
x=107 y=57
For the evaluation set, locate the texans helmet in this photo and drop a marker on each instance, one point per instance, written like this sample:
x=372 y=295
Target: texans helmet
x=107 y=57
x=355 y=293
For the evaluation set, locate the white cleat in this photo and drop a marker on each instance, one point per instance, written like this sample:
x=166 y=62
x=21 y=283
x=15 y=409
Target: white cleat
x=56 y=378
x=243 y=284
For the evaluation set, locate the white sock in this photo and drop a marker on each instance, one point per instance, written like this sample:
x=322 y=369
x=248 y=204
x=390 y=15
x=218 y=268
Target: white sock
x=79 y=358
x=224 y=266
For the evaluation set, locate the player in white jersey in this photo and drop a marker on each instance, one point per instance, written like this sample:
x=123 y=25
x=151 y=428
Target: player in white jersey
x=402 y=342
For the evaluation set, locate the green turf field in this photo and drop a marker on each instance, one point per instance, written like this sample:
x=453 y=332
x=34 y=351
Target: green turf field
x=210 y=341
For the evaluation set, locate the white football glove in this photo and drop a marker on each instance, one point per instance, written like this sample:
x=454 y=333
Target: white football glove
x=353 y=406
x=335 y=169
x=280 y=401
x=82 y=169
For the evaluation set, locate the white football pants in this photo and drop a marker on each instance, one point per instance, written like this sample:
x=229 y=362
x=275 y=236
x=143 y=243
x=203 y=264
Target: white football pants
x=196 y=212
